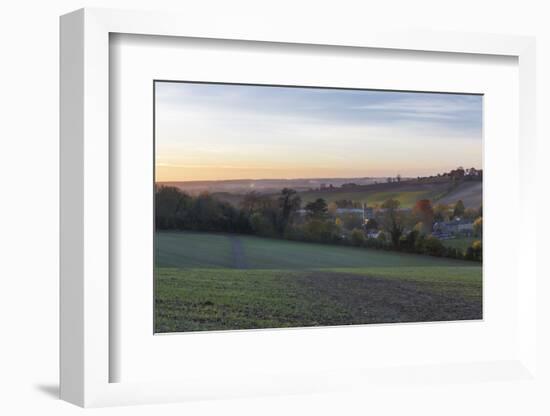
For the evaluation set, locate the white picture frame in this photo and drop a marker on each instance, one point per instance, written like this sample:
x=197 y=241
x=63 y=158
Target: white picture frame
x=86 y=356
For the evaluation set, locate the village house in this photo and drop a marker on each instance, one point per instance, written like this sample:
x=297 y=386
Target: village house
x=449 y=229
x=371 y=233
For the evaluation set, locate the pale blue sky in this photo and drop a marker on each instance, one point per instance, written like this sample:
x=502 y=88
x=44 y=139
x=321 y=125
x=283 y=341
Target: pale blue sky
x=219 y=131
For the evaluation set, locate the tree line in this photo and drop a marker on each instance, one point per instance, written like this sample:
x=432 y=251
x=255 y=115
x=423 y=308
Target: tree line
x=411 y=231
x=282 y=216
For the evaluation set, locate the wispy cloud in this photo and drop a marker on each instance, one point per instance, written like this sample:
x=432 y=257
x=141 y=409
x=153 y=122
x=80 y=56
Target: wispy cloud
x=437 y=108
x=203 y=130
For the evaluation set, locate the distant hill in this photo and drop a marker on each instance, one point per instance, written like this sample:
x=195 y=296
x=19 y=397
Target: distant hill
x=440 y=190
x=266 y=185
x=469 y=192
x=406 y=192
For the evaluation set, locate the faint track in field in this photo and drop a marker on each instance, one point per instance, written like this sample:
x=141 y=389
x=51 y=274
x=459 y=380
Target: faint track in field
x=237 y=250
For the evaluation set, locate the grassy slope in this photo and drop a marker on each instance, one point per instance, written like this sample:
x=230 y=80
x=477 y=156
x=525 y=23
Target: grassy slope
x=470 y=193
x=406 y=192
x=188 y=250
x=277 y=254
x=300 y=284
x=195 y=250
x=460 y=243
x=406 y=198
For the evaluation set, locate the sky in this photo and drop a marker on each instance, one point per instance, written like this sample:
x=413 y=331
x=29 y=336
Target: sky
x=229 y=131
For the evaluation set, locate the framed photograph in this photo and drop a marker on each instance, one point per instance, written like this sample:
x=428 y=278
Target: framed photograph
x=270 y=212
x=284 y=206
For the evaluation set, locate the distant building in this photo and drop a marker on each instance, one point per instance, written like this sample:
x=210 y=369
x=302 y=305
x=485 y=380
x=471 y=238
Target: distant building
x=373 y=233
x=357 y=211
x=449 y=229
x=366 y=212
x=400 y=209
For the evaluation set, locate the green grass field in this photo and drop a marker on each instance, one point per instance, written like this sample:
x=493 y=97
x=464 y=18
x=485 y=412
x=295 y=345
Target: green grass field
x=460 y=243
x=406 y=198
x=208 y=281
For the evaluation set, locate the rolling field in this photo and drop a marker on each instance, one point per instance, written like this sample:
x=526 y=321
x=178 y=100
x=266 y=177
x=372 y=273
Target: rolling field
x=406 y=198
x=469 y=193
x=407 y=193
x=207 y=281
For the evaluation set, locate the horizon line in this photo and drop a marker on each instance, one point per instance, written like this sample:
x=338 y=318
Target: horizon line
x=298 y=178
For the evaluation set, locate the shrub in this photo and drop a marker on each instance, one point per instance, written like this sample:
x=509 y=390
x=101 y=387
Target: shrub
x=419 y=244
x=373 y=243
x=351 y=221
x=261 y=225
x=478 y=227
x=357 y=237
x=321 y=231
x=477 y=250
x=409 y=242
x=452 y=253
x=433 y=247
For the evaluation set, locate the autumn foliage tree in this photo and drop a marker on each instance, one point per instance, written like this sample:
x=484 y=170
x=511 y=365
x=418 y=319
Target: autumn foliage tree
x=441 y=212
x=424 y=214
x=478 y=227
